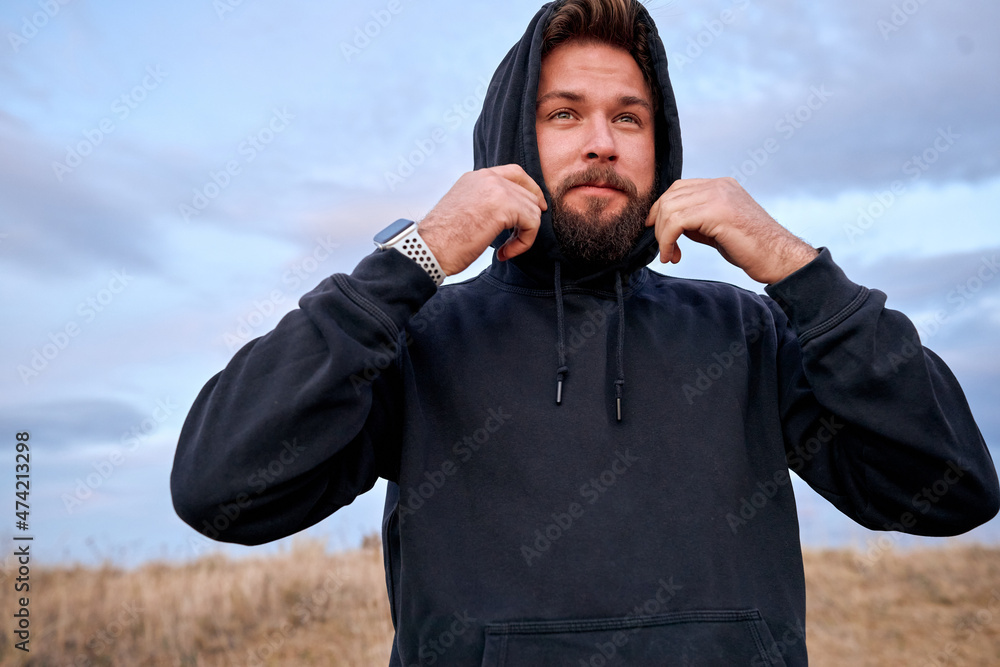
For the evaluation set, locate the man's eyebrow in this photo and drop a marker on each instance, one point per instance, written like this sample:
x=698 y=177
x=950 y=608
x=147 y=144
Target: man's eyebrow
x=560 y=94
x=624 y=100
x=632 y=100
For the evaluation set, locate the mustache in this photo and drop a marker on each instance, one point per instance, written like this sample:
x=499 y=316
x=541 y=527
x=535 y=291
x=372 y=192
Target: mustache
x=598 y=174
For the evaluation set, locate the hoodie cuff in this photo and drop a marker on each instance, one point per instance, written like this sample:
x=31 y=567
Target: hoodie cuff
x=385 y=289
x=817 y=297
x=393 y=282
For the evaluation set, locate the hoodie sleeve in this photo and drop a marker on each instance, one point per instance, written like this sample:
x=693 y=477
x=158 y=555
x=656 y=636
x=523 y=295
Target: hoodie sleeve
x=302 y=420
x=873 y=421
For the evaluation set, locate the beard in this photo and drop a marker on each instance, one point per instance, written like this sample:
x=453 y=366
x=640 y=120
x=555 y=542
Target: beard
x=594 y=235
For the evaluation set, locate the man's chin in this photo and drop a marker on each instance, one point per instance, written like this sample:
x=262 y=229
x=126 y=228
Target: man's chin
x=596 y=230
x=601 y=209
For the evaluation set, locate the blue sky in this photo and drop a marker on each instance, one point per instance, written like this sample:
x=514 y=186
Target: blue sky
x=174 y=176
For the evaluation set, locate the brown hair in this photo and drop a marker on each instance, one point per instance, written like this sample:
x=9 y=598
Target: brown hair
x=612 y=22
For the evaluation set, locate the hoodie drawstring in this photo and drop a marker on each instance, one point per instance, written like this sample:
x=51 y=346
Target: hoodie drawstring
x=561 y=326
x=620 y=382
x=563 y=369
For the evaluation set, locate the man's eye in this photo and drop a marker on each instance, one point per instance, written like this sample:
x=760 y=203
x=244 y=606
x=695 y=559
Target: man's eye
x=562 y=115
x=629 y=118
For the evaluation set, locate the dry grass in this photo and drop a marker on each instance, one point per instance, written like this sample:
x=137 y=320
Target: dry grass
x=929 y=607
x=304 y=607
x=310 y=607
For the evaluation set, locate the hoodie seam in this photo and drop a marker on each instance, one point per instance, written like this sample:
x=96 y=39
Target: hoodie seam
x=366 y=305
x=837 y=319
x=569 y=289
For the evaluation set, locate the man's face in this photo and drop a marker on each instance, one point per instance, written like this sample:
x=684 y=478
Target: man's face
x=596 y=143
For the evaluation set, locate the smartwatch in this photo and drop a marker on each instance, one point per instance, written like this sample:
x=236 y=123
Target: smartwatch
x=404 y=237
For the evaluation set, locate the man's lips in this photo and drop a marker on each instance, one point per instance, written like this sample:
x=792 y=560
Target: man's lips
x=596 y=188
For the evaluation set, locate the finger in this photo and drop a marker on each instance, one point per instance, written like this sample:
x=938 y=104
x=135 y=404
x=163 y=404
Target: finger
x=659 y=217
x=667 y=253
x=667 y=237
x=502 y=251
x=669 y=228
x=670 y=253
x=698 y=237
x=680 y=195
x=527 y=218
x=524 y=235
x=516 y=174
x=654 y=211
x=683 y=184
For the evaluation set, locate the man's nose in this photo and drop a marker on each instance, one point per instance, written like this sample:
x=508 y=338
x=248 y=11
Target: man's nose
x=600 y=142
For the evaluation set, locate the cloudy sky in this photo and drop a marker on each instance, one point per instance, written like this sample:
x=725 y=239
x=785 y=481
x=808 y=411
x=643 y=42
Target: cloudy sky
x=173 y=176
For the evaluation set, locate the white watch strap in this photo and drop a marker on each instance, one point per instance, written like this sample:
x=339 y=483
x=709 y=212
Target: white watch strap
x=413 y=246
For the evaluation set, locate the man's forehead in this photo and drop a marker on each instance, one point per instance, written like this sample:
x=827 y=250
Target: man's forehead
x=586 y=71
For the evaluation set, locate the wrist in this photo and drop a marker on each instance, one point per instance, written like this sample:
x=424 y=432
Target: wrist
x=794 y=258
x=439 y=238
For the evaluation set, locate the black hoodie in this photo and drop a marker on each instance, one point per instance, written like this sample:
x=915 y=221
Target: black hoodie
x=655 y=530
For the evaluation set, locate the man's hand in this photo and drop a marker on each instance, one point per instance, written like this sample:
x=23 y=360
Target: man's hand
x=478 y=207
x=719 y=212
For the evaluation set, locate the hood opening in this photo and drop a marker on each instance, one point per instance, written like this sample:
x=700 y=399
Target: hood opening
x=505 y=134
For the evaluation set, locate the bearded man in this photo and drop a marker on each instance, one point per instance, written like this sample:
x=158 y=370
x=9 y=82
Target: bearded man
x=570 y=438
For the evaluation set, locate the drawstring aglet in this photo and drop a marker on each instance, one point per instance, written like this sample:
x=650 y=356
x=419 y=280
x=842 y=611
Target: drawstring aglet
x=560 y=374
x=618 y=397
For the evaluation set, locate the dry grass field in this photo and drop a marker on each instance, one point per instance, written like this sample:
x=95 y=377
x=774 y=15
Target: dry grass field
x=309 y=607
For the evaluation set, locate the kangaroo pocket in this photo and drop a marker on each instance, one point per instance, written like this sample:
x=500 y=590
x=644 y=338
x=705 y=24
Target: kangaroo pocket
x=689 y=638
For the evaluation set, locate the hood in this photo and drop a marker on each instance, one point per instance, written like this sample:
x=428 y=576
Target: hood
x=505 y=134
